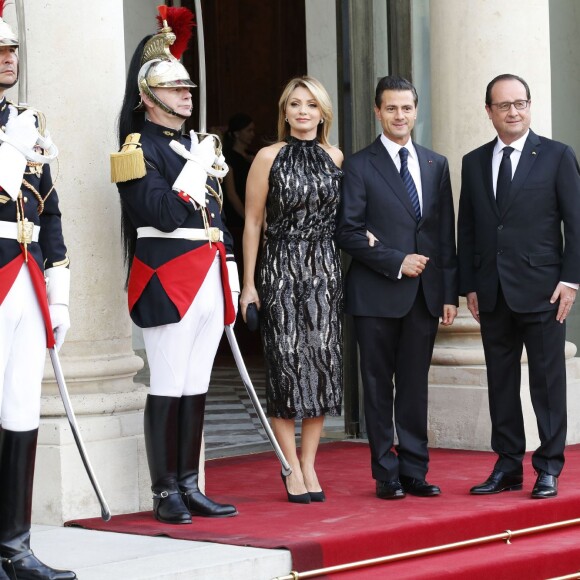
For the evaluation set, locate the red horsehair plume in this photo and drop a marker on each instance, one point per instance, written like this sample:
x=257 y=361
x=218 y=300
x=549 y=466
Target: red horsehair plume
x=181 y=21
x=2 y=3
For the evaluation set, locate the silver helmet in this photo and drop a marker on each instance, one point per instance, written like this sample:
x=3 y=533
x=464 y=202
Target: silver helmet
x=159 y=68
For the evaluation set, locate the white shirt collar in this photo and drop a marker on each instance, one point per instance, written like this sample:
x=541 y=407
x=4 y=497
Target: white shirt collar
x=518 y=144
x=393 y=148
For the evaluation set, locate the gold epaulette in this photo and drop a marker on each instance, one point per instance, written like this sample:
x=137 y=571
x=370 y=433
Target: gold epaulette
x=128 y=163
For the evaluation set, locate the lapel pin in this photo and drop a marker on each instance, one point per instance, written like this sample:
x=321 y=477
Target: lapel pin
x=430 y=161
x=533 y=153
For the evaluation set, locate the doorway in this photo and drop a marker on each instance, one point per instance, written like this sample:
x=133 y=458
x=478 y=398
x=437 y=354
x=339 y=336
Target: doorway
x=252 y=48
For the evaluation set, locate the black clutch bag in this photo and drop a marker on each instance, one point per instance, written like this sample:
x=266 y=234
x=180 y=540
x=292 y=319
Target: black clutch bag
x=252 y=317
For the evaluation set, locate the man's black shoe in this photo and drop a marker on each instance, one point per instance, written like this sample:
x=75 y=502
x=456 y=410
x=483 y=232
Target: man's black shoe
x=546 y=486
x=499 y=481
x=390 y=489
x=418 y=487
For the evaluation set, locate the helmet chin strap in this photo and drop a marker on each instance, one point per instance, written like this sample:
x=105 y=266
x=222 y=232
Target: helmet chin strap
x=5 y=86
x=145 y=89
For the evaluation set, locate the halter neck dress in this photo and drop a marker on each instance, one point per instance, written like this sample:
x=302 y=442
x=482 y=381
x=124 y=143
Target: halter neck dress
x=300 y=283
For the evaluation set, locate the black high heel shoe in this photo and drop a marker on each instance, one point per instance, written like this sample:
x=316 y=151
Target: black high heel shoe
x=317 y=496
x=295 y=498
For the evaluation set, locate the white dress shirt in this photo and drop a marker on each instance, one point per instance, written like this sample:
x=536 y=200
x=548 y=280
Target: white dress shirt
x=413 y=166
x=412 y=162
x=514 y=157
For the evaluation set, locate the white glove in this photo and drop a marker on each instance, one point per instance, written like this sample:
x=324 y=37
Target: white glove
x=60 y=321
x=200 y=160
x=233 y=276
x=57 y=285
x=236 y=301
x=22 y=131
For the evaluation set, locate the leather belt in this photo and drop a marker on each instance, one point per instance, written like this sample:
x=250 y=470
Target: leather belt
x=10 y=231
x=194 y=234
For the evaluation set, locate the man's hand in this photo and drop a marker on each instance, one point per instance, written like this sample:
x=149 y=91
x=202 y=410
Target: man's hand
x=413 y=265
x=473 y=305
x=372 y=239
x=566 y=295
x=449 y=314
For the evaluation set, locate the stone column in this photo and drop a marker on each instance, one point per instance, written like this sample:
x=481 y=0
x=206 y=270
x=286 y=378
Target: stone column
x=76 y=75
x=471 y=43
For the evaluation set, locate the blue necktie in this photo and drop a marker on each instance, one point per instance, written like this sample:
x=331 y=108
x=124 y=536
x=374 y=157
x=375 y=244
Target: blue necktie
x=504 y=177
x=409 y=183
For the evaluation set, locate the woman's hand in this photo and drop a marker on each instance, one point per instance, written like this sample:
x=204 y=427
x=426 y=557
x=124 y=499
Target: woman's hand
x=249 y=295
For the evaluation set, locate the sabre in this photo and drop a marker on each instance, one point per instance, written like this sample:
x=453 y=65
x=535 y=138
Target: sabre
x=22 y=100
x=105 y=511
x=286 y=469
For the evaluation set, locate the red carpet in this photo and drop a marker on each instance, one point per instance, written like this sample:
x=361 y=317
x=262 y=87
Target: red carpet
x=354 y=525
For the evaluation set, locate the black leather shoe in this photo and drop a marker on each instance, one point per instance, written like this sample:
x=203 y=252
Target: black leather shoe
x=390 y=489
x=27 y=566
x=295 y=497
x=418 y=487
x=199 y=504
x=317 y=496
x=546 y=486
x=168 y=507
x=499 y=481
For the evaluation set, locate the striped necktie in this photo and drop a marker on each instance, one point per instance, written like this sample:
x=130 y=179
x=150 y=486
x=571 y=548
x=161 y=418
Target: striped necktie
x=409 y=183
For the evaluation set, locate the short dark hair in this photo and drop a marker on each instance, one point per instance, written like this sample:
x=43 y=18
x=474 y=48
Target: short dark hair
x=394 y=83
x=505 y=77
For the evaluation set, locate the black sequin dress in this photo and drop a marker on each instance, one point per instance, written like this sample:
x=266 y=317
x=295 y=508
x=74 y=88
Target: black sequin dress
x=301 y=285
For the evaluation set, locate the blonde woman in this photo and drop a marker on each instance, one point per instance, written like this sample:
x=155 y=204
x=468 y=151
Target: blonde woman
x=293 y=187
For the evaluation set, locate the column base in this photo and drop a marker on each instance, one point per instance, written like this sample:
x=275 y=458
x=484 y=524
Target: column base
x=459 y=409
x=116 y=450
x=114 y=443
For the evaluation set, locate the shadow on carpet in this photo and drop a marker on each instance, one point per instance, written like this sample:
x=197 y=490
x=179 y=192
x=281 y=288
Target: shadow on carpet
x=353 y=524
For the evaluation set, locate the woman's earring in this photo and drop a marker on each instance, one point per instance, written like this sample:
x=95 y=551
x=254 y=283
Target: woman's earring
x=321 y=121
x=286 y=119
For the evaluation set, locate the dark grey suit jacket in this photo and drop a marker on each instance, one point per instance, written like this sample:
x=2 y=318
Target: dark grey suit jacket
x=374 y=198
x=524 y=247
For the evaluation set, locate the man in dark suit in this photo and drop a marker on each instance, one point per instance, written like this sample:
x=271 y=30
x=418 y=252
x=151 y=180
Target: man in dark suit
x=520 y=275
x=396 y=220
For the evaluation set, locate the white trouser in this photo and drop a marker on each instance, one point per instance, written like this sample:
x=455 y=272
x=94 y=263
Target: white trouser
x=22 y=356
x=181 y=355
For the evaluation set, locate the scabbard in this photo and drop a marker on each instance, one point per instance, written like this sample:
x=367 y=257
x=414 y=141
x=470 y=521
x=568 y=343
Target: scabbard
x=105 y=511
x=286 y=469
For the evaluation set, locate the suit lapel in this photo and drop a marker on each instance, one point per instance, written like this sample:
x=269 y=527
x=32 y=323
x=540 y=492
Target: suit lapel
x=529 y=155
x=429 y=187
x=382 y=162
x=486 y=171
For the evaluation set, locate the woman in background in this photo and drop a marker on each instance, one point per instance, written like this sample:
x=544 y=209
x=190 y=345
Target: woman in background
x=237 y=140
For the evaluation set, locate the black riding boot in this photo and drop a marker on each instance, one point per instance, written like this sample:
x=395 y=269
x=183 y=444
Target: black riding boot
x=17 y=456
x=161 y=427
x=191 y=412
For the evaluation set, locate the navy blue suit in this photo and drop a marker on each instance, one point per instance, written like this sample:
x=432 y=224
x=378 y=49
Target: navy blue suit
x=513 y=260
x=395 y=318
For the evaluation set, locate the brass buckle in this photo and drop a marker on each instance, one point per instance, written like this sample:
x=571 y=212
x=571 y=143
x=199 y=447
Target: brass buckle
x=214 y=234
x=25 y=231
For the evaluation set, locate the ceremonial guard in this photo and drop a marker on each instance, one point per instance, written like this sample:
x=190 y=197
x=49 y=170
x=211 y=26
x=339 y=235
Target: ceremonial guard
x=34 y=292
x=183 y=281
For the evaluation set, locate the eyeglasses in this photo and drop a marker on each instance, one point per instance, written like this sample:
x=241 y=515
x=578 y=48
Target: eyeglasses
x=519 y=105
